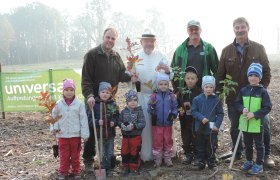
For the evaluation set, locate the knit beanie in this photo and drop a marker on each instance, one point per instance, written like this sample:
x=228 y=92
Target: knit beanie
x=131 y=95
x=208 y=80
x=68 y=83
x=103 y=86
x=162 y=77
x=256 y=69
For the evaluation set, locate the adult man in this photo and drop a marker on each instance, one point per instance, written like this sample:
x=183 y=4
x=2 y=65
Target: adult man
x=147 y=69
x=195 y=52
x=235 y=60
x=101 y=63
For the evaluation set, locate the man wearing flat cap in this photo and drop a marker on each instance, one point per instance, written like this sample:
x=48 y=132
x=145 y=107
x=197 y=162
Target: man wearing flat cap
x=153 y=62
x=196 y=53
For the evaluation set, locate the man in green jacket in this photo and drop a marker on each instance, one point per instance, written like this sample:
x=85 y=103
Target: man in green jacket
x=194 y=52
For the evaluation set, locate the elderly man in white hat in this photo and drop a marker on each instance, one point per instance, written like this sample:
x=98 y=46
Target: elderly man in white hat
x=153 y=62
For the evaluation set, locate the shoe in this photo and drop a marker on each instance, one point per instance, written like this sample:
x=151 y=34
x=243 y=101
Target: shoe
x=268 y=162
x=77 y=176
x=212 y=167
x=189 y=159
x=200 y=166
x=256 y=169
x=62 y=177
x=247 y=165
x=158 y=161
x=168 y=161
x=134 y=173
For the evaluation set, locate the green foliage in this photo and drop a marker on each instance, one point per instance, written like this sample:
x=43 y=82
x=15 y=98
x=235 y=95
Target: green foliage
x=177 y=73
x=228 y=86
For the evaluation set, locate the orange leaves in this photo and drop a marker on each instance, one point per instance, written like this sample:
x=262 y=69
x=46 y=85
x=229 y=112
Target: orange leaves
x=45 y=101
x=132 y=59
x=49 y=104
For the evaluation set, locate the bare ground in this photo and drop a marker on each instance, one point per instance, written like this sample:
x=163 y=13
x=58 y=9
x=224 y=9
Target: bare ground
x=26 y=149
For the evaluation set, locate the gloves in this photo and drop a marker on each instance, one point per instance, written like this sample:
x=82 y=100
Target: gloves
x=127 y=126
x=171 y=117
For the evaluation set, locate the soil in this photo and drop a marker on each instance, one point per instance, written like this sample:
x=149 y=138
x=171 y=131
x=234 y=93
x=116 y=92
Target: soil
x=26 y=148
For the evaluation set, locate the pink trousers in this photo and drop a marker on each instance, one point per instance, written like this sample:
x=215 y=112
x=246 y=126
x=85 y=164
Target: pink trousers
x=162 y=141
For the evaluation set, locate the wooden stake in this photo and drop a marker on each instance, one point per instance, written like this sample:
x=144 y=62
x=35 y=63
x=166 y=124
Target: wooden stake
x=3 y=113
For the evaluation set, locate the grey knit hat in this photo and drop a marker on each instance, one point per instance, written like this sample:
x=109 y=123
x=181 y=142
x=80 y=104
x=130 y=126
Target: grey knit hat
x=103 y=86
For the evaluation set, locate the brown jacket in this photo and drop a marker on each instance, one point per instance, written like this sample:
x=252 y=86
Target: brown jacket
x=98 y=67
x=230 y=63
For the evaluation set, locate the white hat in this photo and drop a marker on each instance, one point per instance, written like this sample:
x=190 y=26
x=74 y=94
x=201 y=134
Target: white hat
x=148 y=34
x=162 y=77
x=208 y=80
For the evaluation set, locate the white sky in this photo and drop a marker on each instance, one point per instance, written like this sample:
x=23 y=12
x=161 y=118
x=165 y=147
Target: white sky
x=215 y=16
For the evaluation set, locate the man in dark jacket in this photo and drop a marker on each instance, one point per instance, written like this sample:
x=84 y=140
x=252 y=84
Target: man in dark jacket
x=235 y=60
x=101 y=63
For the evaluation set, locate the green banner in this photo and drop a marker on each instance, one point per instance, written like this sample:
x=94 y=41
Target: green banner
x=20 y=89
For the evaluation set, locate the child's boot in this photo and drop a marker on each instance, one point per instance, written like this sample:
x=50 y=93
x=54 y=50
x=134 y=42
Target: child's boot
x=168 y=161
x=158 y=160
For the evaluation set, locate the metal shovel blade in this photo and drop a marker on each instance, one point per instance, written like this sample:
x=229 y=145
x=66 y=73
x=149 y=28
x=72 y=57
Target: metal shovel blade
x=100 y=174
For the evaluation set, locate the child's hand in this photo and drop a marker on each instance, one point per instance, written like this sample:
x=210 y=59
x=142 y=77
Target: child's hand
x=112 y=124
x=100 y=122
x=182 y=113
x=245 y=111
x=55 y=131
x=205 y=120
x=215 y=129
x=250 y=115
x=130 y=127
x=85 y=140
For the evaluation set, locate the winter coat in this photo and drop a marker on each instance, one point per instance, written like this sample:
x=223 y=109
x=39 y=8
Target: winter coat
x=161 y=106
x=256 y=100
x=73 y=122
x=236 y=65
x=134 y=116
x=207 y=107
x=110 y=113
x=98 y=67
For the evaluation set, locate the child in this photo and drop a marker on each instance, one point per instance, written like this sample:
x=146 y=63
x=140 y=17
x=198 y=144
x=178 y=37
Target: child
x=163 y=108
x=105 y=104
x=69 y=129
x=185 y=98
x=208 y=113
x=132 y=123
x=253 y=103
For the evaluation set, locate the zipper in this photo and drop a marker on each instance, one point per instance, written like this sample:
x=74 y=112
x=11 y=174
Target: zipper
x=163 y=96
x=249 y=106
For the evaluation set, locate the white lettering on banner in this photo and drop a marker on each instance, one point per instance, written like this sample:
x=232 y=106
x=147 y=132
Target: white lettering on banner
x=33 y=88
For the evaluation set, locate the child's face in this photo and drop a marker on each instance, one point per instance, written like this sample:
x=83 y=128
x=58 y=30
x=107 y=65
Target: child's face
x=105 y=95
x=191 y=79
x=132 y=103
x=208 y=89
x=163 y=86
x=69 y=93
x=254 y=80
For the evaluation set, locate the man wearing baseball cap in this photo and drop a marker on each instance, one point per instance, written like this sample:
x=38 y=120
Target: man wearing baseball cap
x=195 y=52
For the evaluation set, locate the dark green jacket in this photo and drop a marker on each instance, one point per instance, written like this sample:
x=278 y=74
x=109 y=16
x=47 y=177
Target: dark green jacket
x=180 y=59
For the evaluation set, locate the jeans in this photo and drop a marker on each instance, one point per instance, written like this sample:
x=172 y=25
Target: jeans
x=234 y=115
x=206 y=145
x=107 y=153
x=249 y=139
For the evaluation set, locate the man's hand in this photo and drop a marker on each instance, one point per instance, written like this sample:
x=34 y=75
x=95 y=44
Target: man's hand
x=250 y=115
x=215 y=129
x=100 y=122
x=91 y=102
x=112 y=124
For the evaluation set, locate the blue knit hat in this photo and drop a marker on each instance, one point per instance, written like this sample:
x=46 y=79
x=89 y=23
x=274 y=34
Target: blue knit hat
x=131 y=95
x=208 y=80
x=162 y=77
x=256 y=69
x=103 y=86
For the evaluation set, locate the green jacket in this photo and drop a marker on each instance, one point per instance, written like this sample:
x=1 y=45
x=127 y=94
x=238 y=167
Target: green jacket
x=180 y=59
x=256 y=100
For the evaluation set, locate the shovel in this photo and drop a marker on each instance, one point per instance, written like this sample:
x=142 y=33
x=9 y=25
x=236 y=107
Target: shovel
x=55 y=148
x=100 y=173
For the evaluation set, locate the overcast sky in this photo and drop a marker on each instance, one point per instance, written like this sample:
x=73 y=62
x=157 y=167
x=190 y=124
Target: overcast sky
x=216 y=16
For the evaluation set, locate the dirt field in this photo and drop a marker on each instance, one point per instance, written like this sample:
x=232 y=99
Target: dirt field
x=26 y=153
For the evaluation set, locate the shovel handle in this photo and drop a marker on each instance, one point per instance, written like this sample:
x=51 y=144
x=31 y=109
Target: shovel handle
x=101 y=132
x=95 y=137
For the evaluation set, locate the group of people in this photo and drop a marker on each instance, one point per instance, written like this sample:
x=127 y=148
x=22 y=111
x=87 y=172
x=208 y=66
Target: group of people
x=146 y=121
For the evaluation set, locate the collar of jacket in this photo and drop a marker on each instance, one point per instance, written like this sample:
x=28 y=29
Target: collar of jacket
x=236 y=43
x=73 y=102
x=100 y=51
